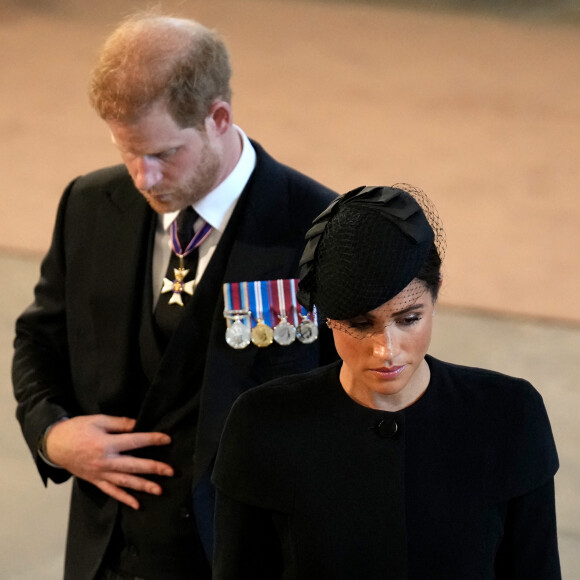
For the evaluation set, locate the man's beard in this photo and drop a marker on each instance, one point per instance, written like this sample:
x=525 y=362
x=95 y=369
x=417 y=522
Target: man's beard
x=204 y=180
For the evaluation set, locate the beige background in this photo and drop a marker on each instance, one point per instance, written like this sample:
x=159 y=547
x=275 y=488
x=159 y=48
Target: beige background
x=482 y=112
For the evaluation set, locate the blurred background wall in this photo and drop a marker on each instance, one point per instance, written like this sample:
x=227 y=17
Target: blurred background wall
x=480 y=108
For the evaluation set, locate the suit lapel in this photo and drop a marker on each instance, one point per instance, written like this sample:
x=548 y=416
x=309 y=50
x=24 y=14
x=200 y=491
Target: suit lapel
x=259 y=251
x=151 y=353
x=116 y=298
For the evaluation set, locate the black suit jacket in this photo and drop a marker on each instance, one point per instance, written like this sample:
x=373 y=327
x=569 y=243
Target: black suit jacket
x=86 y=343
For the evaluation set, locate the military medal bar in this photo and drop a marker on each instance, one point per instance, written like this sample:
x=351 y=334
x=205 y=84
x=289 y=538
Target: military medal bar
x=264 y=312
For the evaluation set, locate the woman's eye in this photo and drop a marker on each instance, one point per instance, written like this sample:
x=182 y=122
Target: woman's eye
x=409 y=320
x=360 y=324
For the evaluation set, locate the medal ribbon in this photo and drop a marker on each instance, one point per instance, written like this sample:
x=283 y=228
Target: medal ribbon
x=266 y=312
x=236 y=299
x=259 y=303
x=228 y=297
x=197 y=239
x=245 y=302
x=281 y=298
x=274 y=299
x=283 y=292
x=228 y=301
x=293 y=286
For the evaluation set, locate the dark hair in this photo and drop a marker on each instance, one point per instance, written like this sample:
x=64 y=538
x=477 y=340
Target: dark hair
x=430 y=272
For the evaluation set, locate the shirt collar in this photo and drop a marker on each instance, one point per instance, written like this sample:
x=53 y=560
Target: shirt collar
x=217 y=206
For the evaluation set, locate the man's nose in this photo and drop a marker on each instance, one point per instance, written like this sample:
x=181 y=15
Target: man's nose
x=145 y=172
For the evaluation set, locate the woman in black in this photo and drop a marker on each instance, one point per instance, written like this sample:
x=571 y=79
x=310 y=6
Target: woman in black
x=390 y=464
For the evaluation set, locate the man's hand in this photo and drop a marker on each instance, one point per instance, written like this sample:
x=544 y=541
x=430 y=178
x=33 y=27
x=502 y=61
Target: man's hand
x=91 y=447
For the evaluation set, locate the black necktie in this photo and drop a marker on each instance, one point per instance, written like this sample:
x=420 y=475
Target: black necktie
x=167 y=316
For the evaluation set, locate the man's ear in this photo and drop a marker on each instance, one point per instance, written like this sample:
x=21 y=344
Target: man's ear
x=220 y=115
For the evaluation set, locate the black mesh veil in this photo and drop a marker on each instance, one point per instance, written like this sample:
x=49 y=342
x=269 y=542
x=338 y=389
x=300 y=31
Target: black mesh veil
x=366 y=247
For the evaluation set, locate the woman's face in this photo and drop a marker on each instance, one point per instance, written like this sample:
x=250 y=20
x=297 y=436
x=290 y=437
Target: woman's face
x=383 y=350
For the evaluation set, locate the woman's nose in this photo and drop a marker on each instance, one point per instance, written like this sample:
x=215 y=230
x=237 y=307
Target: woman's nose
x=384 y=346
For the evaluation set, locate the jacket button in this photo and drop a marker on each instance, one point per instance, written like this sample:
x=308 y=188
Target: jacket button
x=386 y=428
x=184 y=513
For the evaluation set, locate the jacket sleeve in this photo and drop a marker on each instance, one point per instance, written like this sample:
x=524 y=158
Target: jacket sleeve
x=529 y=547
x=40 y=368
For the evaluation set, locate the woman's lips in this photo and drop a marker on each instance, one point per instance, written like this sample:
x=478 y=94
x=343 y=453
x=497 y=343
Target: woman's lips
x=387 y=373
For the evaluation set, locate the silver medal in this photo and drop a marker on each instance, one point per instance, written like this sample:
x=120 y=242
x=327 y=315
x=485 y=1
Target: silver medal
x=307 y=331
x=238 y=335
x=284 y=333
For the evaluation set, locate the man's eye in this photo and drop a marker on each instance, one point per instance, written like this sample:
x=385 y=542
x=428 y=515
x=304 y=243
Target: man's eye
x=167 y=154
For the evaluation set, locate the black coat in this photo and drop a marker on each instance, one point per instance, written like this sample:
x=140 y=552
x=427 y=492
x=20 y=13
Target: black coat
x=85 y=346
x=312 y=485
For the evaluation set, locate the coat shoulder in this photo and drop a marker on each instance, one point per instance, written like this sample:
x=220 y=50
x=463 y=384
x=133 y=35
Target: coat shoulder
x=305 y=193
x=110 y=184
x=507 y=416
